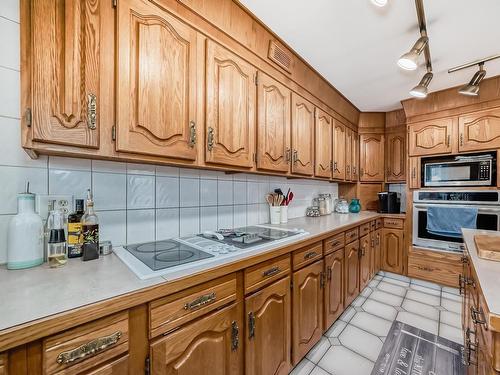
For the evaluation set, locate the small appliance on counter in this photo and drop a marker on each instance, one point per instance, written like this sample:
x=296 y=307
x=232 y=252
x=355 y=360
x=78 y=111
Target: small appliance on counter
x=389 y=202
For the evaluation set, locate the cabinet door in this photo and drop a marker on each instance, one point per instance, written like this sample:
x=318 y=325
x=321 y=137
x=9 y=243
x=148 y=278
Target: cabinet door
x=395 y=154
x=302 y=136
x=351 y=272
x=207 y=346
x=65 y=72
x=269 y=326
x=378 y=250
x=156 y=84
x=479 y=131
x=355 y=157
x=348 y=154
x=230 y=108
x=339 y=150
x=273 y=128
x=334 y=287
x=364 y=261
x=414 y=175
x=431 y=137
x=392 y=250
x=323 y=148
x=371 y=167
x=307 y=313
x=3 y=364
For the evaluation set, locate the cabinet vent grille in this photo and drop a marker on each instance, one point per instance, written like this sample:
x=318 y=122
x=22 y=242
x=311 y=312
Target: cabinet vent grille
x=280 y=56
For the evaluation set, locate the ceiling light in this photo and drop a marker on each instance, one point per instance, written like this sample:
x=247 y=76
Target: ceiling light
x=472 y=88
x=379 y=3
x=409 y=60
x=420 y=91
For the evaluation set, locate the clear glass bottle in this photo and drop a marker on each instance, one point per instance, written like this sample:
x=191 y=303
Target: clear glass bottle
x=90 y=231
x=57 y=255
x=46 y=228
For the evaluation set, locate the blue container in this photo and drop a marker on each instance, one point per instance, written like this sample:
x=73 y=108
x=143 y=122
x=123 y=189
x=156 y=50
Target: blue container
x=354 y=206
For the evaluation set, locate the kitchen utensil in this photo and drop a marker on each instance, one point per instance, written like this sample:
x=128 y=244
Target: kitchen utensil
x=290 y=198
x=270 y=199
x=488 y=247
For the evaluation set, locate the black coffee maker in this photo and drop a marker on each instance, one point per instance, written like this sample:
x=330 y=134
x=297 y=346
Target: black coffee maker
x=389 y=202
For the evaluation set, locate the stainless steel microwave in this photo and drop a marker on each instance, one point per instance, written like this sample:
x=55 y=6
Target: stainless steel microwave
x=461 y=170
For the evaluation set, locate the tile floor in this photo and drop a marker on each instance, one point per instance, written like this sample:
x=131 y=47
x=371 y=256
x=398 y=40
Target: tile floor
x=352 y=344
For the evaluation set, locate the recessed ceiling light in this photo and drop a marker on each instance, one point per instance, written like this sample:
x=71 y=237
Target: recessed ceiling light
x=379 y=3
x=420 y=91
x=472 y=88
x=409 y=60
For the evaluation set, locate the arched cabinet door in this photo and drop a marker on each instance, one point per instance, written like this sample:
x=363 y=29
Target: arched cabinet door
x=364 y=261
x=371 y=168
x=396 y=157
x=479 y=131
x=431 y=137
x=324 y=138
x=351 y=270
x=334 y=287
x=302 y=136
x=339 y=150
x=392 y=250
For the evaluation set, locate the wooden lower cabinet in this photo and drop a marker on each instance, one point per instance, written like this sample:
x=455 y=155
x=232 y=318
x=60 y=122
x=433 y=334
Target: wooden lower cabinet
x=377 y=250
x=210 y=345
x=364 y=261
x=307 y=309
x=436 y=266
x=3 y=364
x=334 y=287
x=268 y=337
x=119 y=366
x=351 y=272
x=392 y=250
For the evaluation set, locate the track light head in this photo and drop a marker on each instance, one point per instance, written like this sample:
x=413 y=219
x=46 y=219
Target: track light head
x=420 y=91
x=472 y=88
x=379 y=3
x=408 y=61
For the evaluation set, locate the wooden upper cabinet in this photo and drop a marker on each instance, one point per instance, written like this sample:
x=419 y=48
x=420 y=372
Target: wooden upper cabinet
x=323 y=147
x=348 y=154
x=395 y=157
x=392 y=250
x=210 y=345
x=351 y=272
x=156 y=83
x=339 y=150
x=302 y=136
x=65 y=72
x=371 y=160
x=268 y=338
x=273 y=125
x=230 y=108
x=479 y=131
x=355 y=157
x=334 y=287
x=431 y=137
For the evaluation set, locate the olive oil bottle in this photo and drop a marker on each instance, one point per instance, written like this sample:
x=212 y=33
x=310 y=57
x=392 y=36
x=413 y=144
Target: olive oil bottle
x=90 y=231
x=75 y=237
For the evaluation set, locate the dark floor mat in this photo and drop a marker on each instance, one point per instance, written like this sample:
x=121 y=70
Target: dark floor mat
x=408 y=350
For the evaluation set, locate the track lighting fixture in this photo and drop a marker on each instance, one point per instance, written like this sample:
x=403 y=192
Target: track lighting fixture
x=379 y=3
x=408 y=61
x=420 y=91
x=472 y=88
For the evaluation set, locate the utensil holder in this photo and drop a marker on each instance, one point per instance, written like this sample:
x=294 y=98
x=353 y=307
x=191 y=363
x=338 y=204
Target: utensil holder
x=284 y=214
x=275 y=214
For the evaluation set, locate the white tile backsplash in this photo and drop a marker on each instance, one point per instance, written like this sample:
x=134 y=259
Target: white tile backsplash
x=113 y=226
x=208 y=192
x=140 y=226
x=208 y=218
x=10 y=9
x=224 y=192
x=110 y=191
x=9 y=32
x=167 y=223
x=140 y=191
x=189 y=192
x=10 y=93
x=189 y=222
x=167 y=192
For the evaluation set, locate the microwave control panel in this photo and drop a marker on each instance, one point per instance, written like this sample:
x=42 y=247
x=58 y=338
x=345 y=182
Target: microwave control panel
x=484 y=170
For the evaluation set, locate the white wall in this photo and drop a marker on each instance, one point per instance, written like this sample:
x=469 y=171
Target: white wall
x=135 y=202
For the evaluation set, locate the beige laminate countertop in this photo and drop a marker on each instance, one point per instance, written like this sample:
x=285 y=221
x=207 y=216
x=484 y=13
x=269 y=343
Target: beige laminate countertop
x=487 y=271
x=31 y=295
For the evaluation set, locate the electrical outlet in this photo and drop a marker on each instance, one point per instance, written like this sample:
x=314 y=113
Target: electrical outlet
x=63 y=202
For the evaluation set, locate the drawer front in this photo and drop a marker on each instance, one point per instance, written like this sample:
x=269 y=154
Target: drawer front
x=364 y=229
x=351 y=235
x=378 y=223
x=3 y=364
x=307 y=255
x=393 y=223
x=334 y=243
x=86 y=346
x=265 y=273
x=441 y=268
x=170 y=312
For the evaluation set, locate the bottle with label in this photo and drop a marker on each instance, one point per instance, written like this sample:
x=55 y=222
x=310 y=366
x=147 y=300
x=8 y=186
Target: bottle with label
x=57 y=255
x=75 y=237
x=90 y=231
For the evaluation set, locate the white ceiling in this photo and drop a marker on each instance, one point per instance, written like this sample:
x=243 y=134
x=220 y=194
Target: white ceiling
x=355 y=45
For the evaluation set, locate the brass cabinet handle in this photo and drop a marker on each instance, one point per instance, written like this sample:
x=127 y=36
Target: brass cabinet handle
x=354 y=170
x=461 y=284
x=251 y=325
x=91 y=111
x=335 y=169
x=335 y=243
x=91 y=348
x=310 y=255
x=477 y=316
x=235 y=336
x=461 y=139
x=210 y=138
x=424 y=268
x=329 y=273
x=331 y=165
x=295 y=156
x=348 y=169
x=192 y=133
x=200 y=301
x=288 y=155
x=414 y=172
x=271 y=272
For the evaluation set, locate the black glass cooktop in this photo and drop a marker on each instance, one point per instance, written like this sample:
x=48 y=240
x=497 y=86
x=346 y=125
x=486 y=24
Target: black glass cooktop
x=165 y=254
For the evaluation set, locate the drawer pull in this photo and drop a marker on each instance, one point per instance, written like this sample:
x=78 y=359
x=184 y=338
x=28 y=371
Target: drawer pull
x=200 y=301
x=251 y=325
x=210 y=138
x=329 y=273
x=310 y=255
x=91 y=111
x=335 y=243
x=461 y=284
x=192 y=133
x=477 y=316
x=424 y=268
x=235 y=336
x=88 y=349
x=271 y=272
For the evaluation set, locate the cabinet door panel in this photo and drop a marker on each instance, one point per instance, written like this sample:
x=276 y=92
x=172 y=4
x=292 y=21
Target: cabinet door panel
x=205 y=347
x=348 y=154
x=273 y=129
x=230 y=108
x=364 y=261
x=119 y=366
x=302 y=136
x=355 y=157
x=334 y=288
x=156 y=92
x=396 y=157
x=351 y=271
x=479 y=131
x=371 y=157
x=66 y=72
x=431 y=137
x=414 y=173
x=307 y=314
x=392 y=250
x=268 y=345
x=323 y=148
x=339 y=150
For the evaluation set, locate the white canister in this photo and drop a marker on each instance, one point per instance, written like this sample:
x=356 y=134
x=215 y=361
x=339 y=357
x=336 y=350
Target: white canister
x=275 y=213
x=25 y=235
x=284 y=214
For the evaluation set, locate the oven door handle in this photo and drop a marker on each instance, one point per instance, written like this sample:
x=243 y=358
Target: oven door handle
x=495 y=209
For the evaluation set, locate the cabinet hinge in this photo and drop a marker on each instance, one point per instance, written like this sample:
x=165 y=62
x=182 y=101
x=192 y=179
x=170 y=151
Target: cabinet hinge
x=147 y=366
x=28 y=117
x=114 y=3
x=255 y=157
x=113 y=133
x=291 y=285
